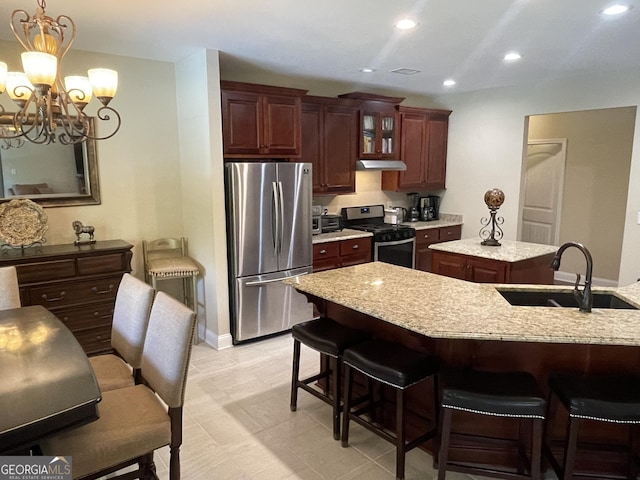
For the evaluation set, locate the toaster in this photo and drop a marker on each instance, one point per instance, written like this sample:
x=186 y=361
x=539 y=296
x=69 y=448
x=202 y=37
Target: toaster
x=331 y=223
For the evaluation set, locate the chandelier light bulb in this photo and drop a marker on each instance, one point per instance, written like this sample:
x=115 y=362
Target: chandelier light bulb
x=18 y=87
x=46 y=43
x=3 y=76
x=104 y=83
x=40 y=68
x=79 y=90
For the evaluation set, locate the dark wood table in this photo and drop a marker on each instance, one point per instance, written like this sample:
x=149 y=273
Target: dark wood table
x=47 y=384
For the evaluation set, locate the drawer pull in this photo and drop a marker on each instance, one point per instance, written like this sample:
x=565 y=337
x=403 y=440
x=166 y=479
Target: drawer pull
x=322 y=252
x=100 y=315
x=56 y=299
x=102 y=292
x=426 y=235
x=356 y=246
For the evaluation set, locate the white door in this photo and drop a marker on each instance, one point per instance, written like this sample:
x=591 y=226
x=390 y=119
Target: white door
x=543 y=184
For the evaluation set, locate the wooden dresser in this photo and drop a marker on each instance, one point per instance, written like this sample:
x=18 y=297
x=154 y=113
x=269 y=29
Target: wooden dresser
x=76 y=283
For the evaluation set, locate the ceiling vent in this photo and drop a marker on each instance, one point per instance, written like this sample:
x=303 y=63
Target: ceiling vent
x=405 y=71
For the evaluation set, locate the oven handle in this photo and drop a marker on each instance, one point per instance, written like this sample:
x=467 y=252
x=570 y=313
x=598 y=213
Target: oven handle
x=397 y=242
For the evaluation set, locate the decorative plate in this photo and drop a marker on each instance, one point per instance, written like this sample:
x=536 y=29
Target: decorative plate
x=22 y=223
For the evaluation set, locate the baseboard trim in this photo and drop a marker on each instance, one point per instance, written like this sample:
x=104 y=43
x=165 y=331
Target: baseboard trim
x=218 y=342
x=570 y=278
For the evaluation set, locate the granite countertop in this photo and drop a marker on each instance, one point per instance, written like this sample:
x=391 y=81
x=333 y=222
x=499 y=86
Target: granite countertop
x=444 y=307
x=445 y=220
x=509 y=251
x=344 y=234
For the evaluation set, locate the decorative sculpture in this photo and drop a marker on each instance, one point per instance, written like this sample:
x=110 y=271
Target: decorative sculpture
x=79 y=229
x=493 y=198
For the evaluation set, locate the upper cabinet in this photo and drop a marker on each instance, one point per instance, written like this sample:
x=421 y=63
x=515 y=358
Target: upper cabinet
x=423 y=148
x=261 y=120
x=330 y=143
x=379 y=125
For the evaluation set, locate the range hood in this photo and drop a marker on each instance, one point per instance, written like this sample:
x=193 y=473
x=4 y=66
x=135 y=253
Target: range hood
x=396 y=165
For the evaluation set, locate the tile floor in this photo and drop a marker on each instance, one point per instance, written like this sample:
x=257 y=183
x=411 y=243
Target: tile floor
x=237 y=424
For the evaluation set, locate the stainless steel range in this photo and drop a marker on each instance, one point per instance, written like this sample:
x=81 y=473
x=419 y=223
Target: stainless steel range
x=391 y=243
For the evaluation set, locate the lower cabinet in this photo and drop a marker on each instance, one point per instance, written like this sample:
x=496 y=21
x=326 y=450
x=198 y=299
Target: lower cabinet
x=341 y=253
x=484 y=270
x=429 y=236
x=76 y=283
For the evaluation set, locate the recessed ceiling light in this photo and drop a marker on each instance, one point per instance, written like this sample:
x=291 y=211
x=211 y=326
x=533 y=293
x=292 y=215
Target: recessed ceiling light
x=367 y=70
x=406 y=24
x=449 y=82
x=512 y=56
x=616 y=9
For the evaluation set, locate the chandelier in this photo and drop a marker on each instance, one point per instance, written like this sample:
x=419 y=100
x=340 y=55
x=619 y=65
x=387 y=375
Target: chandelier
x=50 y=109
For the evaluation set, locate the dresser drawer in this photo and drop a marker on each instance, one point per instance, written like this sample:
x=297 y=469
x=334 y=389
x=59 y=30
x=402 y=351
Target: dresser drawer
x=72 y=293
x=46 y=271
x=326 y=250
x=87 y=316
x=355 y=246
x=96 y=340
x=101 y=264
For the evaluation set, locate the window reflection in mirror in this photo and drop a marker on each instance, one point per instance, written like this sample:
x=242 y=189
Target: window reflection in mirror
x=50 y=175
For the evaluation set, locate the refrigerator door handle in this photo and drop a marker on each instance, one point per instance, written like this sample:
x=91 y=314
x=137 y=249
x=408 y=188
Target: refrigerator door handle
x=265 y=282
x=281 y=216
x=275 y=218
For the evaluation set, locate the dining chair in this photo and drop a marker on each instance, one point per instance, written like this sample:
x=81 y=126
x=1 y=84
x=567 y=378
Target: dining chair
x=10 y=297
x=130 y=320
x=135 y=421
x=167 y=259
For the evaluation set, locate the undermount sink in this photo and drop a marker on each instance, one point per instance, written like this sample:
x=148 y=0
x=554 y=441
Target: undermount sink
x=541 y=298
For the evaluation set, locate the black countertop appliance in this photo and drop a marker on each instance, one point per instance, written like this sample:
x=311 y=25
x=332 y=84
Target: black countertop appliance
x=429 y=208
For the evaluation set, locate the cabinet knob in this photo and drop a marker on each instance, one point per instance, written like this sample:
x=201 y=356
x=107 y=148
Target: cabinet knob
x=426 y=235
x=356 y=246
x=322 y=252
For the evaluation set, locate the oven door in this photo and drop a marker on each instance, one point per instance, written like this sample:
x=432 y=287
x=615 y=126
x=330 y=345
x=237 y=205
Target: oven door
x=400 y=252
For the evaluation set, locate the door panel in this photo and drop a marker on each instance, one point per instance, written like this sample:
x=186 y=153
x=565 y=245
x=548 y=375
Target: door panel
x=543 y=183
x=250 y=217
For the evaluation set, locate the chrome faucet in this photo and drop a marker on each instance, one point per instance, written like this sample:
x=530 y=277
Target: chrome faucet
x=584 y=297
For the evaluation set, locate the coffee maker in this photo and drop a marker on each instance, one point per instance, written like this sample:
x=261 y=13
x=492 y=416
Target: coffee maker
x=413 y=214
x=429 y=208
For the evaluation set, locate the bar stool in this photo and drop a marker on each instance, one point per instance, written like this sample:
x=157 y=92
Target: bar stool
x=399 y=368
x=508 y=394
x=603 y=398
x=330 y=339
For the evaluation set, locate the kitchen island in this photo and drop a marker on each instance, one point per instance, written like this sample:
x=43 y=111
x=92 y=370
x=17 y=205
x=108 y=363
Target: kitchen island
x=472 y=325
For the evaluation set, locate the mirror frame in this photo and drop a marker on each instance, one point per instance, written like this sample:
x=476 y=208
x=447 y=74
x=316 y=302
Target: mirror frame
x=92 y=198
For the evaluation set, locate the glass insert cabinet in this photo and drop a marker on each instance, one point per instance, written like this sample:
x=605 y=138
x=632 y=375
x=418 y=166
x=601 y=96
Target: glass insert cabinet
x=379 y=122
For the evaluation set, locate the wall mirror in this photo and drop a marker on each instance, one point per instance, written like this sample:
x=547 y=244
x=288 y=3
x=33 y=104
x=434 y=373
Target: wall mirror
x=53 y=175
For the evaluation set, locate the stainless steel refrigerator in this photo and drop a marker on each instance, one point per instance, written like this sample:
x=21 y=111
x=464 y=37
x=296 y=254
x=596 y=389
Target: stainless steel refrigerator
x=269 y=239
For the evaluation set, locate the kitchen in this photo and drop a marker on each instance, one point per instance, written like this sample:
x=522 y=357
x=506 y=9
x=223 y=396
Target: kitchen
x=146 y=169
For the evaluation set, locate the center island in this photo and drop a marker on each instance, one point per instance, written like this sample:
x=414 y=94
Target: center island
x=472 y=325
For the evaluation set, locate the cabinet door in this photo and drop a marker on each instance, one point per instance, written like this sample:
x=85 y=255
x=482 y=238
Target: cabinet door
x=312 y=143
x=453 y=232
x=326 y=256
x=482 y=270
x=242 y=127
x=424 y=238
x=438 y=130
x=379 y=133
x=355 y=251
x=340 y=149
x=450 y=265
x=414 y=150
x=281 y=125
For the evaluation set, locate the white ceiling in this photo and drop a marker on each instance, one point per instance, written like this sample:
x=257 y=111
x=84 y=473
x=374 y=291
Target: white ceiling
x=330 y=39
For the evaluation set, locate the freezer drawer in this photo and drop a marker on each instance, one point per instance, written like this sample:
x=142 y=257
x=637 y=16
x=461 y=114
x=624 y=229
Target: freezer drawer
x=264 y=305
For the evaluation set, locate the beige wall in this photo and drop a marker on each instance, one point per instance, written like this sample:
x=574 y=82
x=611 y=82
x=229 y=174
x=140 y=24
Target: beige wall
x=599 y=145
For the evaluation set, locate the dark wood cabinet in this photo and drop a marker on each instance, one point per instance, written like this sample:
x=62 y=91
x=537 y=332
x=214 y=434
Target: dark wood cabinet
x=341 y=253
x=330 y=143
x=429 y=236
x=379 y=125
x=484 y=270
x=423 y=148
x=260 y=120
x=76 y=283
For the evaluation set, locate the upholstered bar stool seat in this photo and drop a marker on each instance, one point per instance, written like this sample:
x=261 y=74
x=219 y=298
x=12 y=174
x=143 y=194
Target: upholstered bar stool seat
x=501 y=394
x=330 y=339
x=400 y=368
x=604 y=398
